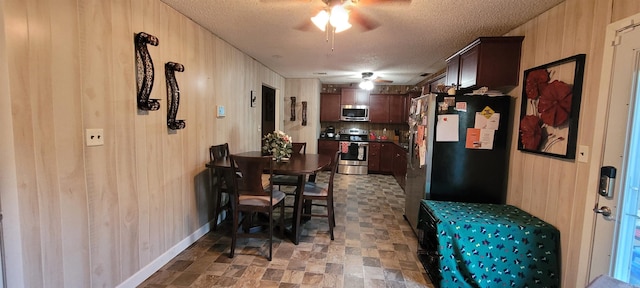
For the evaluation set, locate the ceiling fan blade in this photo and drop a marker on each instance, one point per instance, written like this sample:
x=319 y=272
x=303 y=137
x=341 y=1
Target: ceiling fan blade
x=364 y=21
x=305 y=26
x=382 y=81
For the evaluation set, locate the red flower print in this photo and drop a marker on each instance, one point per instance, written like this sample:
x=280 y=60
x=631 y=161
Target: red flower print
x=555 y=103
x=536 y=81
x=530 y=132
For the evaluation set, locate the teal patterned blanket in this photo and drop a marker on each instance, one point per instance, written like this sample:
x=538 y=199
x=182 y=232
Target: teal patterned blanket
x=490 y=245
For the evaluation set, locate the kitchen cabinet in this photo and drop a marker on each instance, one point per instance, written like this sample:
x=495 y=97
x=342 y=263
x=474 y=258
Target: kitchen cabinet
x=399 y=165
x=379 y=108
x=453 y=64
x=328 y=147
x=387 y=108
x=386 y=157
x=329 y=107
x=352 y=96
x=398 y=109
x=374 y=156
x=432 y=85
x=493 y=62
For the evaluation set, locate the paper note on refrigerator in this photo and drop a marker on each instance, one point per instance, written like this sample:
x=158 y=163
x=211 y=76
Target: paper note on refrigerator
x=479 y=138
x=482 y=122
x=447 y=128
x=422 y=152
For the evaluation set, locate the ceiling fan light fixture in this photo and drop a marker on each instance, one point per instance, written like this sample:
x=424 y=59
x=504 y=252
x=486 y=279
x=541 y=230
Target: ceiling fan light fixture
x=342 y=27
x=339 y=18
x=366 y=84
x=321 y=20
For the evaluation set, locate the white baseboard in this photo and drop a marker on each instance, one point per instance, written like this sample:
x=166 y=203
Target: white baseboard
x=155 y=265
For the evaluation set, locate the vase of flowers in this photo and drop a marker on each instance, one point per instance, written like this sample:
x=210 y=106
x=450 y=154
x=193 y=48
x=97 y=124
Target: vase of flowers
x=278 y=144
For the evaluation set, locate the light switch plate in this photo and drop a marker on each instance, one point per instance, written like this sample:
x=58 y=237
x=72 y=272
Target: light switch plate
x=94 y=137
x=583 y=153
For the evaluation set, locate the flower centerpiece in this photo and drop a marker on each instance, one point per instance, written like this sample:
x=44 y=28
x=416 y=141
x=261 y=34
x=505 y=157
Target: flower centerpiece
x=278 y=144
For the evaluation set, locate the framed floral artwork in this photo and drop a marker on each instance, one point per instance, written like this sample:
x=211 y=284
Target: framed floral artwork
x=551 y=106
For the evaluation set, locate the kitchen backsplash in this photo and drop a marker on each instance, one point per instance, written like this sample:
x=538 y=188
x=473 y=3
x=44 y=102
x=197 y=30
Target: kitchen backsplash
x=377 y=129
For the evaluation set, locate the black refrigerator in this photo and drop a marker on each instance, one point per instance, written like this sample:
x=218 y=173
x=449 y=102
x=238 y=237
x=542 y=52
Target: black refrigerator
x=458 y=150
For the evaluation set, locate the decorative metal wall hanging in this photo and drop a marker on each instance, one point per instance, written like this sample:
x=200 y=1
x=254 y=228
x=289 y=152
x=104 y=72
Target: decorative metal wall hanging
x=293 y=109
x=304 y=113
x=173 y=95
x=144 y=69
x=252 y=99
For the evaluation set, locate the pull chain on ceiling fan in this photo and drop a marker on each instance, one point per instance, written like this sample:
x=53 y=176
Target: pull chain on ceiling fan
x=332 y=20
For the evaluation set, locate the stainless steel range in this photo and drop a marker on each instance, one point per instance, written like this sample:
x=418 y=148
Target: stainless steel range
x=354 y=158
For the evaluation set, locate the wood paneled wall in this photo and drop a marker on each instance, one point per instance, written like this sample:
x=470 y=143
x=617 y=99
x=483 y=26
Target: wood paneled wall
x=77 y=216
x=93 y=216
x=304 y=90
x=555 y=189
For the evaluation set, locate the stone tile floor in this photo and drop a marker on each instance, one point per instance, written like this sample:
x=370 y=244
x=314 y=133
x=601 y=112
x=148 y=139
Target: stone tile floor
x=373 y=247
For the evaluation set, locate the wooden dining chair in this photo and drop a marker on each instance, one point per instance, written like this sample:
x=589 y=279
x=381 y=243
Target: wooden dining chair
x=321 y=192
x=220 y=186
x=250 y=197
x=291 y=180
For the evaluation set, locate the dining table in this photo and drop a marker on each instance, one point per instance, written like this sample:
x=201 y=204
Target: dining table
x=302 y=165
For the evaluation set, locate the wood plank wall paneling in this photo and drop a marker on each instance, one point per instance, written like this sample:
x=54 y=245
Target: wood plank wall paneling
x=94 y=216
x=67 y=107
x=555 y=189
x=8 y=180
x=304 y=90
x=18 y=55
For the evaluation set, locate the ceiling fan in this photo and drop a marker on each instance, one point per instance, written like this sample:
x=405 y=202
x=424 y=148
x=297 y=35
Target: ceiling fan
x=368 y=79
x=323 y=18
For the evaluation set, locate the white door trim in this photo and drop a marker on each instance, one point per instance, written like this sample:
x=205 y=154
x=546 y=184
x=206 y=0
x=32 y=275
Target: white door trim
x=598 y=143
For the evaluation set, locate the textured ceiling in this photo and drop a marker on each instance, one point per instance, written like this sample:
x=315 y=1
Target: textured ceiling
x=412 y=37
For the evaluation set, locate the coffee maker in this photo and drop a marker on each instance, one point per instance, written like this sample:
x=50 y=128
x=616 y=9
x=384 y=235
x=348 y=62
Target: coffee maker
x=330 y=132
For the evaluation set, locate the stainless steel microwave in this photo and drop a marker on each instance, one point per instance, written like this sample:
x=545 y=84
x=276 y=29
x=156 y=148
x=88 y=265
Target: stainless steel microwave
x=354 y=113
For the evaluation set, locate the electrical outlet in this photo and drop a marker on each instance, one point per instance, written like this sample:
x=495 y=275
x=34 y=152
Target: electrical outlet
x=583 y=153
x=94 y=137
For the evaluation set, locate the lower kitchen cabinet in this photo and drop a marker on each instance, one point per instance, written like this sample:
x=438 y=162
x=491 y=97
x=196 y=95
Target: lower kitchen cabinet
x=328 y=147
x=392 y=160
x=400 y=165
x=386 y=157
x=374 y=157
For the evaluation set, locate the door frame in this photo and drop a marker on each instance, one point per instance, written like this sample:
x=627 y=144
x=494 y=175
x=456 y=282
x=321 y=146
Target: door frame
x=597 y=151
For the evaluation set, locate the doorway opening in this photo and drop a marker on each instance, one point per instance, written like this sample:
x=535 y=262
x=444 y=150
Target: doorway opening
x=268 y=111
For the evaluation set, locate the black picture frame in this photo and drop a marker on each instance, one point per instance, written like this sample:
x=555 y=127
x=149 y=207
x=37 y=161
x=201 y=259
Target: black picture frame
x=550 y=107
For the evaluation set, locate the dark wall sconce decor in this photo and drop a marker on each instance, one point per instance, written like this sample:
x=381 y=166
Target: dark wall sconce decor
x=293 y=109
x=144 y=71
x=252 y=99
x=304 y=113
x=173 y=95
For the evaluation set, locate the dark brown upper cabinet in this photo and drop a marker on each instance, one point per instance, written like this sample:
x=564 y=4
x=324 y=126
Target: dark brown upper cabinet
x=397 y=108
x=352 y=96
x=493 y=62
x=379 y=108
x=329 y=107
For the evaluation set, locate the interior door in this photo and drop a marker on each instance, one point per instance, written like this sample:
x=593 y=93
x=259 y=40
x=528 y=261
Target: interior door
x=268 y=111
x=615 y=244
